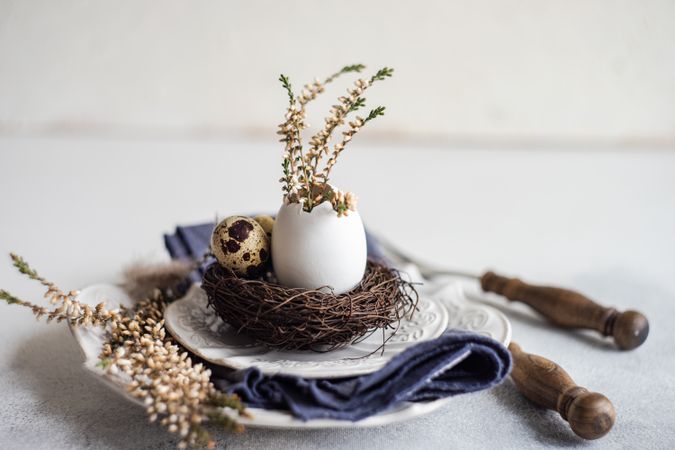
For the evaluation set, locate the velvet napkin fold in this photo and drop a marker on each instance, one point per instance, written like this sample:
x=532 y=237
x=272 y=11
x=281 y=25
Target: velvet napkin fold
x=457 y=362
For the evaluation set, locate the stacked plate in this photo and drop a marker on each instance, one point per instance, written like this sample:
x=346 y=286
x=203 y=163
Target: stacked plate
x=202 y=332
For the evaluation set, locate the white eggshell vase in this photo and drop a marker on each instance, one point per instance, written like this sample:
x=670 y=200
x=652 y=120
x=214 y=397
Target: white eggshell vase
x=316 y=249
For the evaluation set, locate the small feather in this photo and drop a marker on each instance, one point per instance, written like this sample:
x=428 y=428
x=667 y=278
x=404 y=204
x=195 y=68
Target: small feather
x=141 y=279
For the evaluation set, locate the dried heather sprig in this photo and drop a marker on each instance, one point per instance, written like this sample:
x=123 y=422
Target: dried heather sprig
x=68 y=308
x=319 y=142
x=293 y=161
x=312 y=90
x=303 y=182
x=174 y=391
x=343 y=202
x=347 y=135
x=352 y=102
x=292 y=165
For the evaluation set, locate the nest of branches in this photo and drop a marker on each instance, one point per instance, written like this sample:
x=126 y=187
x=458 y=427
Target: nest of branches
x=294 y=318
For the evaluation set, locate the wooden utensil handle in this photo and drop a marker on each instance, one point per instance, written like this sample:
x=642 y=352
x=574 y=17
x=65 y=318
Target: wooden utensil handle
x=570 y=309
x=591 y=415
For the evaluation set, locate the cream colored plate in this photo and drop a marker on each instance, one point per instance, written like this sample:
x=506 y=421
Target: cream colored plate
x=197 y=327
x=472 y=316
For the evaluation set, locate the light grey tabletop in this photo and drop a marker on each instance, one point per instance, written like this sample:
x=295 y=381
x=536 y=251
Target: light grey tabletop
x=601 y=222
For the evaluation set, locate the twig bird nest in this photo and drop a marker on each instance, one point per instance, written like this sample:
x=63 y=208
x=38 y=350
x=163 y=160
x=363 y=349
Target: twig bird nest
x=295 y=318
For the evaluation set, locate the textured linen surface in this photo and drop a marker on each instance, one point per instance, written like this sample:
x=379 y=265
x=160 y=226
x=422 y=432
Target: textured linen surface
x=455 y=363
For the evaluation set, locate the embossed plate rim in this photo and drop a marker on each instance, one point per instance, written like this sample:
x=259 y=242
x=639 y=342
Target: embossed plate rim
x=351 y=361
x=90 y=341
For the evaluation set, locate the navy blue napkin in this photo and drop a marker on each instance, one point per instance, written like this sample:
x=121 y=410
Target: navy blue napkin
x=458 y=362
x=190 y=242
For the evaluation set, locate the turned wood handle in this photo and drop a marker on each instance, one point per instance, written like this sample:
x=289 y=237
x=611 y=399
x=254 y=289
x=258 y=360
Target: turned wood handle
x=570 y=309
x=590 y=415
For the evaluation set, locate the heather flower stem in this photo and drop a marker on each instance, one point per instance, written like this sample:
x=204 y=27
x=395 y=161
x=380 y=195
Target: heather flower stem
x=354 y=127
x=302 y=181
x=350 y=103
x=157 y=371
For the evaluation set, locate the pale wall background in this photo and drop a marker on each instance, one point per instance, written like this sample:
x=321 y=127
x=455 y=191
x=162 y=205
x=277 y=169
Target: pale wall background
x=567 y=73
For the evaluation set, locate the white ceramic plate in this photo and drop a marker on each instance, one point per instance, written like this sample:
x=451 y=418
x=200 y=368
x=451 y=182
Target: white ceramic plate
x=197 y=327
x=462 y=314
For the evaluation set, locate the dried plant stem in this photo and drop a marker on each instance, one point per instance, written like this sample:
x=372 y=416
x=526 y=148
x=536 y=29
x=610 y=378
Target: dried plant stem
x=347 y=135
x=303 y=182
x=290 y=130
x=68 y=308
x=319 y=142
x=312 y=90
x=298 y=171
x=175 y=392
x=352 y=102
x=160 y=373
x=343 y=202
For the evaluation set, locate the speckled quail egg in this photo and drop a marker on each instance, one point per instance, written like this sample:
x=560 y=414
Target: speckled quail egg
x=267 y=222
x=240 y=244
